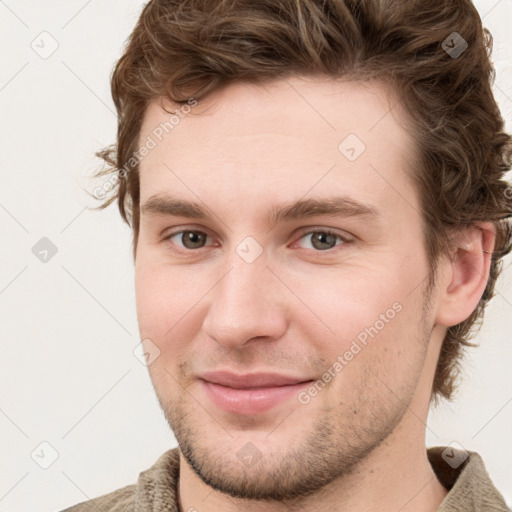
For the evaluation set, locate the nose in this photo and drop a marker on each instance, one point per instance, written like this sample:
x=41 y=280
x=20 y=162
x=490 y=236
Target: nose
x=247 y=305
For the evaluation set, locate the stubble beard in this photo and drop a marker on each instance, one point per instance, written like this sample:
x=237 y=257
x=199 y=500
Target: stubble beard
x=338 y=441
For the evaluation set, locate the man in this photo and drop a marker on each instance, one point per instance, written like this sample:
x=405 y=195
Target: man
x=319 y=211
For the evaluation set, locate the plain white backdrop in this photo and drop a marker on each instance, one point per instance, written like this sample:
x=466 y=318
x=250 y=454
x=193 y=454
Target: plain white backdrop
x=68 y=375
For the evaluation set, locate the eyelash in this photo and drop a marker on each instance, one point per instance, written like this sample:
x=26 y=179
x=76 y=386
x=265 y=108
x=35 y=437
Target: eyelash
x=302 y=235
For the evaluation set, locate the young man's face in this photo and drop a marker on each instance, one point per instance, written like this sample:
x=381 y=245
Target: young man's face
x=243 y=294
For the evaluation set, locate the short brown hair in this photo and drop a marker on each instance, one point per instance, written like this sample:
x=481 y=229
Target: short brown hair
x=182 y=49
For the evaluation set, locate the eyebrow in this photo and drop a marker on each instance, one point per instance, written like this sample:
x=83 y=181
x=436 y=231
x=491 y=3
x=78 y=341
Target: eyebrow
x=339 y=206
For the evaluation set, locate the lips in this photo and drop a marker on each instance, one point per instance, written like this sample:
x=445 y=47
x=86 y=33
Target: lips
x=251 y=393
x=251 y=380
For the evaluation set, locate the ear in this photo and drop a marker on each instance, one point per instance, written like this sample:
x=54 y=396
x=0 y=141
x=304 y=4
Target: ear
x=465 y=273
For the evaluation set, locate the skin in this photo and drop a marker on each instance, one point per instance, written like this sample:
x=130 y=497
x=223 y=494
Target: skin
x=359 y=444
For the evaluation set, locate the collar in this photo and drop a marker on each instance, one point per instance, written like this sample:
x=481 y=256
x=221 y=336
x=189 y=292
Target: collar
x=469 y=486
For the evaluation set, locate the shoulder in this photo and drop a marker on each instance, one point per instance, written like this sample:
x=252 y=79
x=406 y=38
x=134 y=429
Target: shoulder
x=120 y=500
x=154 y=485
x=464 y=475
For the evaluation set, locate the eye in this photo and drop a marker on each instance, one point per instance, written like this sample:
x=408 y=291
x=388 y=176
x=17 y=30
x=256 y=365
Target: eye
x=189 y=238
x=322 y=239
x=319 y=239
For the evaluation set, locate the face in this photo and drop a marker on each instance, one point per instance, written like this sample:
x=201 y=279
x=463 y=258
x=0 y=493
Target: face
x=329 y=293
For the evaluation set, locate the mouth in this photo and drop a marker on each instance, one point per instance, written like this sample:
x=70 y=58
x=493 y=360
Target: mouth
x=251 y=393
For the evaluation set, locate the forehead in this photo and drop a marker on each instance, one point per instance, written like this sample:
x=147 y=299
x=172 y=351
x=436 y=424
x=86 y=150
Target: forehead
x=295 y=106
x=288 y=136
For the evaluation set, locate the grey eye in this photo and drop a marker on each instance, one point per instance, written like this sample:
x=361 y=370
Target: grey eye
x=191 y=239
x=322 y=240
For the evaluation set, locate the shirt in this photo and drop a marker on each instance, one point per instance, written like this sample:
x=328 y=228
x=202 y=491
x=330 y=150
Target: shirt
x=469 y=486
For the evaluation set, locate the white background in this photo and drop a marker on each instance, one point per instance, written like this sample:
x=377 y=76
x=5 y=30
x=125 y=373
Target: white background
x=68 y=327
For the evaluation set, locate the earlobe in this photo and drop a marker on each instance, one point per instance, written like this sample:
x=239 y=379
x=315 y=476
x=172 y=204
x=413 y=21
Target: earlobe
x=470 y=264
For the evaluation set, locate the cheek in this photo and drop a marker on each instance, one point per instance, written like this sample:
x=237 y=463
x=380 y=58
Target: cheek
x=345 y=300
x=365 y=313
x=168 y=312
x=164 y=295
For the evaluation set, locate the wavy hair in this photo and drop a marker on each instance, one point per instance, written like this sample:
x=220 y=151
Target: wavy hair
x=182 y=49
